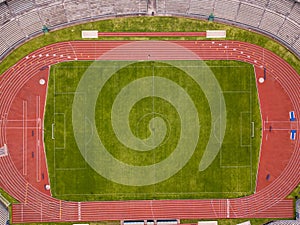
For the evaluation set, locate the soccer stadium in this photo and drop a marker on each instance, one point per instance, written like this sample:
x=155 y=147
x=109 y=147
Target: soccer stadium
x=150 y=112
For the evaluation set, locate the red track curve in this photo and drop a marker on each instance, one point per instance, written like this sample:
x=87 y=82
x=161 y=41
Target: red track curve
x=37 y=206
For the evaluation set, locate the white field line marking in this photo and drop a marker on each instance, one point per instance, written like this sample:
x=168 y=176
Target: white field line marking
x=60 y=209
x=228 y=205
x=22 y=212
x=24 y=137
x=79 y=210
x=213 y=208
x=26 y=193
x=38 y=132
x=41 y=211
x=241 y=129
x=22 y=128
x=64 y=131
x=151 y=207
x=53 y=131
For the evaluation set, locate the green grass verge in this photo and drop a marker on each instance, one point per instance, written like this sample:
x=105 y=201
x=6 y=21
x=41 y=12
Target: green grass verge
x=148 y=24
x=71 y=177
x=295 y=192
x=7 y=196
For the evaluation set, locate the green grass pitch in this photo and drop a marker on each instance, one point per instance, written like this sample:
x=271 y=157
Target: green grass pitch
x=232 y=173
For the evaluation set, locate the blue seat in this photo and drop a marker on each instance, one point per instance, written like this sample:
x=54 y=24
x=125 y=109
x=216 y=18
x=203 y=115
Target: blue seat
x=292 y=116
x=293 y=135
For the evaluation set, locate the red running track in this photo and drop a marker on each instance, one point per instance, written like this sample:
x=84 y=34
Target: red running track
x=152 y=34
x=37 y=206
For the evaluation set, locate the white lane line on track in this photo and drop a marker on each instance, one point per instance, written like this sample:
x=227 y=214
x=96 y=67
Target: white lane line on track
x=24 y=137
x=228 y=205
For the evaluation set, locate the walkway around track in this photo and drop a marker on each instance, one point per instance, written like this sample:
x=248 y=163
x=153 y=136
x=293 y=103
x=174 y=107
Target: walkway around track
x=36 y=206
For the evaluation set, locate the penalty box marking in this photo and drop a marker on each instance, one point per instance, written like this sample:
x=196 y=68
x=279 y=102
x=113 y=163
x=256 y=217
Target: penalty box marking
x=241 y=139
x=252 y=124
x=241 y=143
x=58 y=145
x=54 y=136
